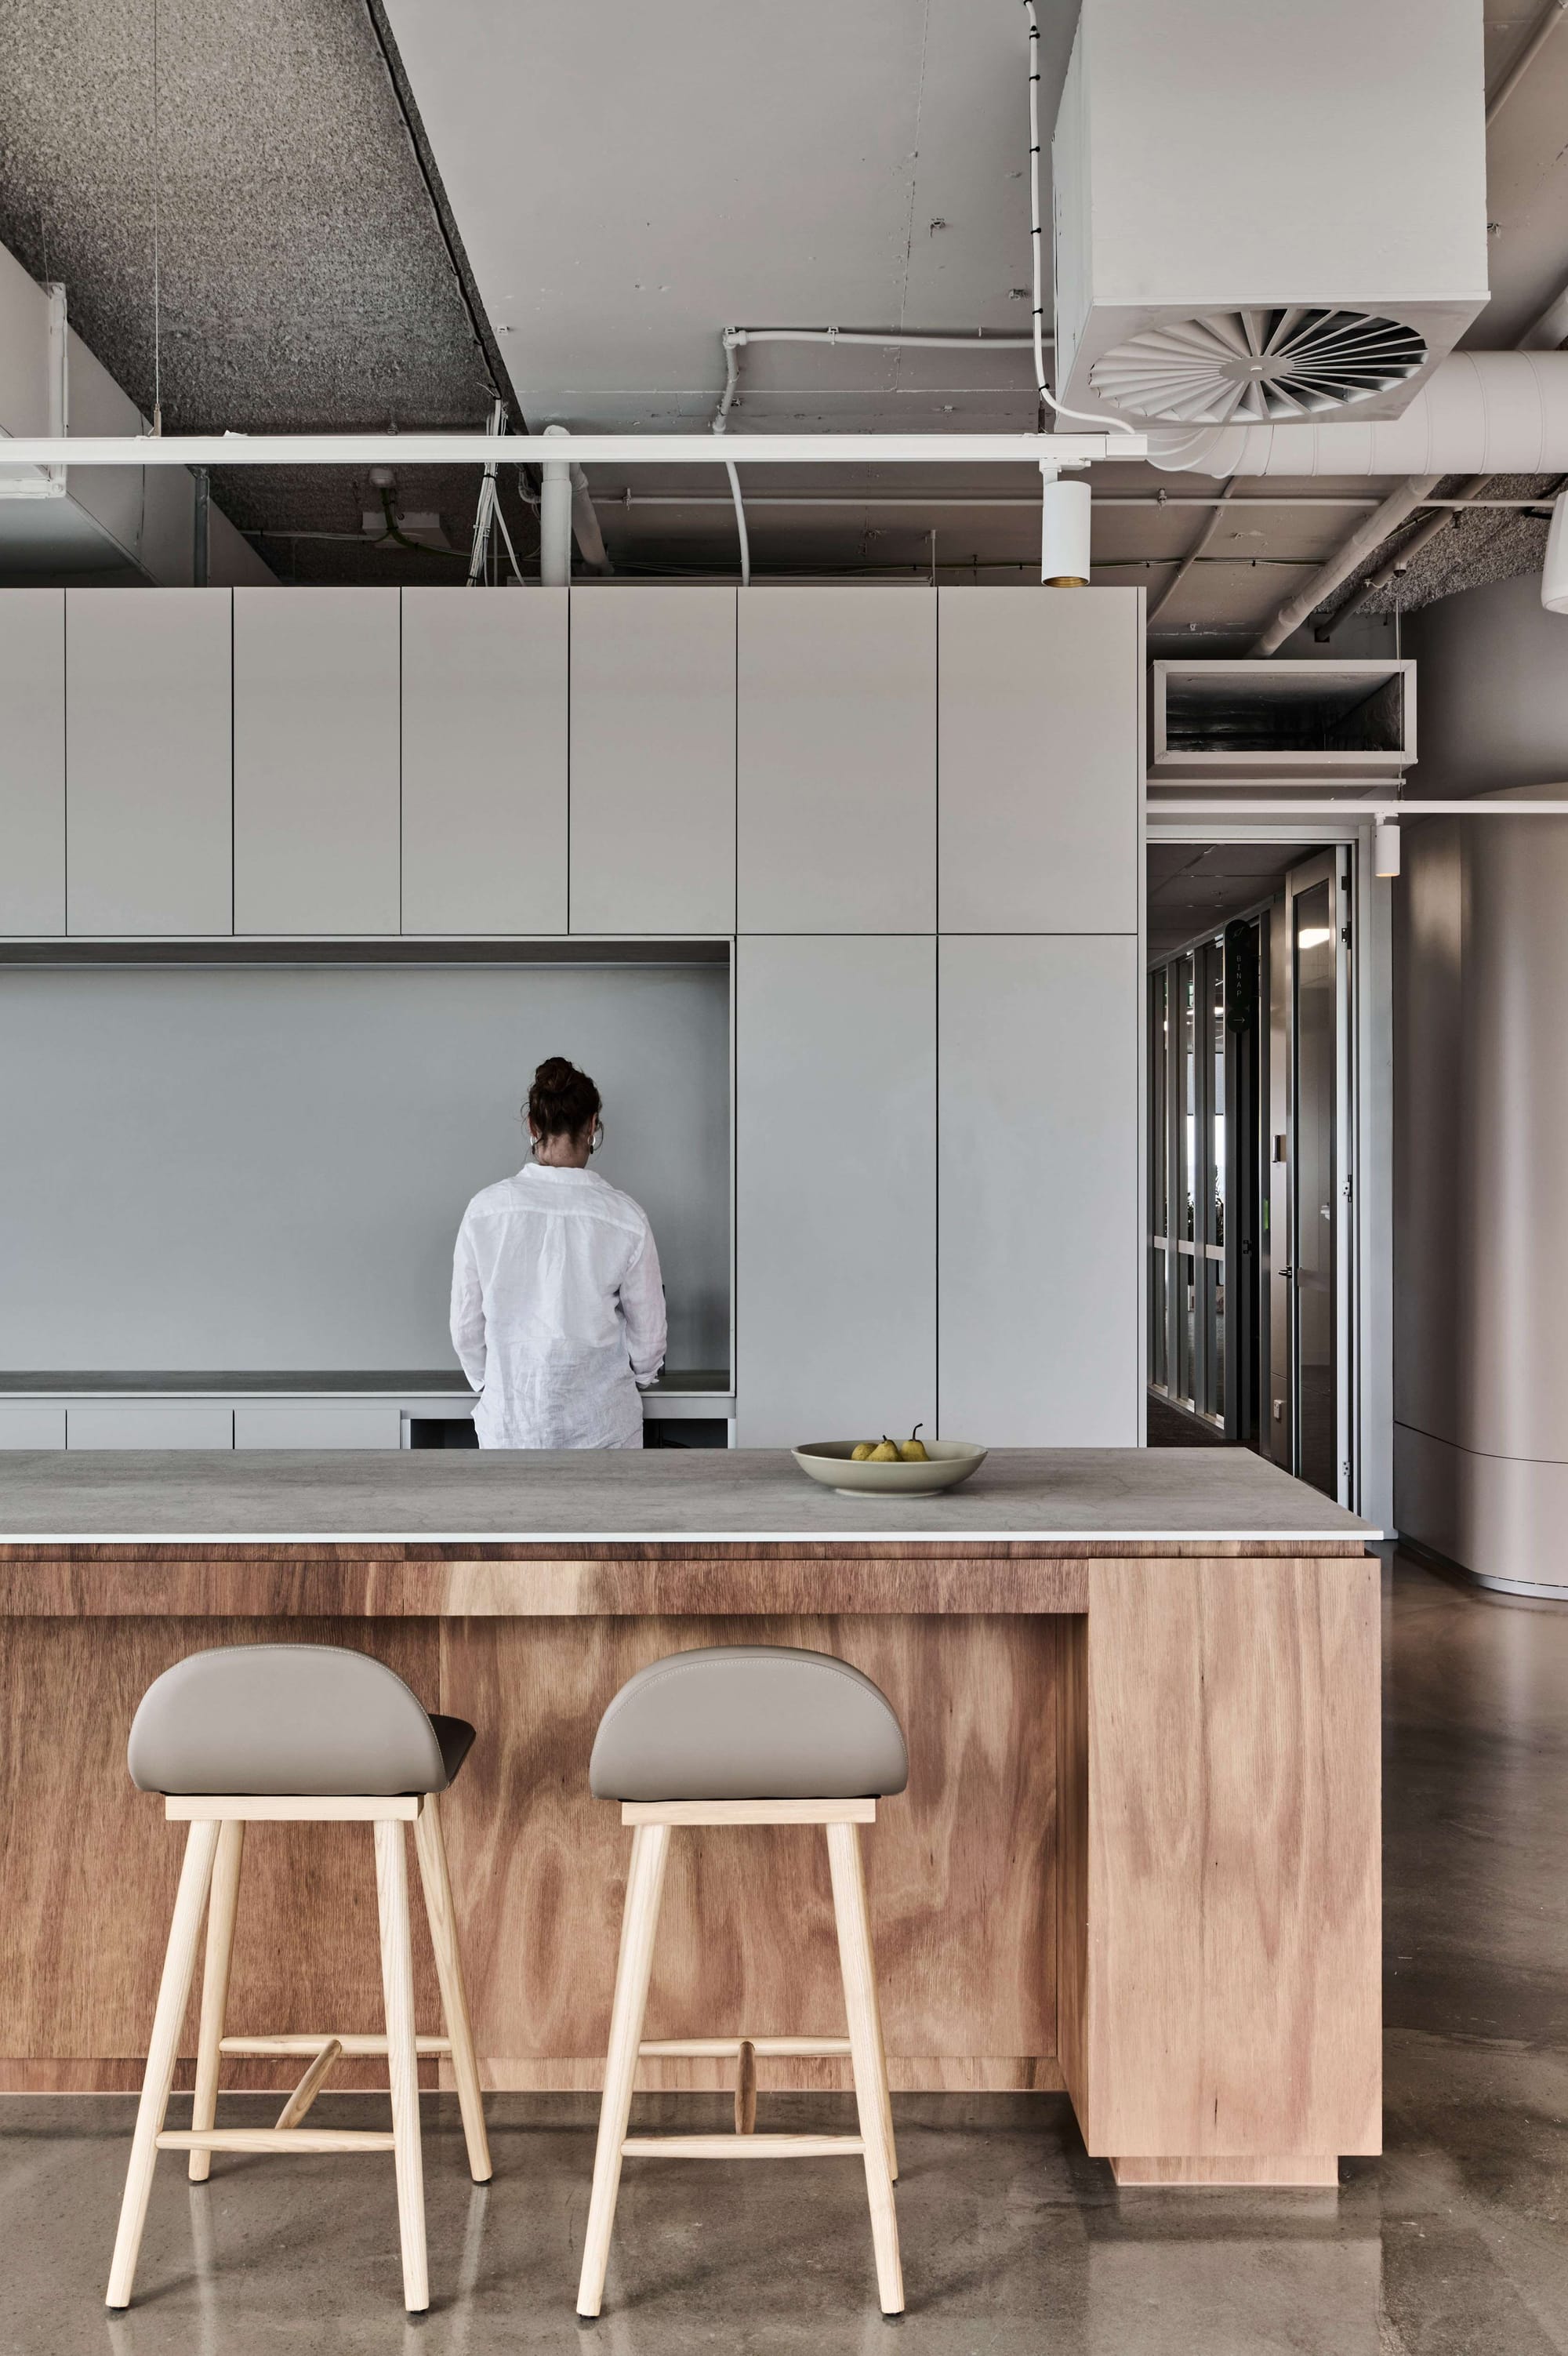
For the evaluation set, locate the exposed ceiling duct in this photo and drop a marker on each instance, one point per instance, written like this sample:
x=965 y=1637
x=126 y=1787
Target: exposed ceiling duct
x=1186 y=290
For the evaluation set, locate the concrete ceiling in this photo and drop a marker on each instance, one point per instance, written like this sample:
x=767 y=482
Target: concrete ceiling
x=368 y=220
x=305 y=276
x=1195 y=888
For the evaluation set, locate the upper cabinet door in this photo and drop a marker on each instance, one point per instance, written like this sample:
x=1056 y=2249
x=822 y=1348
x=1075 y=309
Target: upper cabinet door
x=1040 y=760
x=32 y=762
x=484 y=761
x=836 y=734
x=316 y=760
x=653 y=760
x=148 y=775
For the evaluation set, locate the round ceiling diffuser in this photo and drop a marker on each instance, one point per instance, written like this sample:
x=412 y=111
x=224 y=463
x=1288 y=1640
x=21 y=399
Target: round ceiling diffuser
x=1228 y=367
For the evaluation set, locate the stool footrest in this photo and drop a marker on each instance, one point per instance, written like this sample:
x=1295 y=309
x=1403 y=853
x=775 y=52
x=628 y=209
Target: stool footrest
x=273 y=2139
x=353 y=2046
x=743 y=2146
x=722 y=2049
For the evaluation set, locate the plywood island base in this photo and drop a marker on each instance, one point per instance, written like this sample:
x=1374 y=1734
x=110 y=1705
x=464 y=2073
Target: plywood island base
x=1138 y=1858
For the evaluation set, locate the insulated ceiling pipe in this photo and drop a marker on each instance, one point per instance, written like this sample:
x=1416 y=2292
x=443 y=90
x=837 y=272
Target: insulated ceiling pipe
x=556 y=520
x=1478 y=413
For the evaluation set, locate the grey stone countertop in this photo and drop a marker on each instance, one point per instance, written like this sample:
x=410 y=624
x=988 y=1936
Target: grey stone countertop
x=745 y=1494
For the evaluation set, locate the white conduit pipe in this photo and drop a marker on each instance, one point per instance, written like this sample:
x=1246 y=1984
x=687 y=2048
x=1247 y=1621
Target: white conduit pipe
x=555 y=516
x=405 y=450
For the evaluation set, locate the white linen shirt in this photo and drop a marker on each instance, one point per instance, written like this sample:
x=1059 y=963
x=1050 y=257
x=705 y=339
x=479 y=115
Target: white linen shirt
x=557 y=1310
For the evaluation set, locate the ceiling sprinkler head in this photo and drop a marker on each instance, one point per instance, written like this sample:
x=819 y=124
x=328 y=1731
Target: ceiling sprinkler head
x=382 y=478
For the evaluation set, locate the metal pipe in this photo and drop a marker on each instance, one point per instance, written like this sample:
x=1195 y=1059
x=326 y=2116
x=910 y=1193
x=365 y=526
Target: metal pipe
x=406 y=450
x=1375 y=809
x=1397 y=508
x=586 y=530
x=555 y=515
x=1442 y=521
x=1551 y=18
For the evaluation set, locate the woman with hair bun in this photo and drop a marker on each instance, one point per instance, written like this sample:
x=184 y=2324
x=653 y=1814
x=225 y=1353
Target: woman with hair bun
x=557 y=1308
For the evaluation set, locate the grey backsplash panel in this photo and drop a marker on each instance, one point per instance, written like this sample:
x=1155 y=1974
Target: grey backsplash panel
x=209 y=1167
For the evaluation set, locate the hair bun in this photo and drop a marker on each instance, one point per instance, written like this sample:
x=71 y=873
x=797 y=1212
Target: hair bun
x=562 y=1101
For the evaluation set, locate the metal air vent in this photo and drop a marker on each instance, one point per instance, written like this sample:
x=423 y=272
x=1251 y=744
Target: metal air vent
x=1257 y=366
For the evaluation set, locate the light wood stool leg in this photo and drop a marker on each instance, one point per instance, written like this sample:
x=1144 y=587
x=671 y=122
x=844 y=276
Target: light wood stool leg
x=645 y=1883
x=884 y=2091
x=402 y=2065
x=860 y=2006
x=430 y=1847
x=220 y=1908
x=169 y=2020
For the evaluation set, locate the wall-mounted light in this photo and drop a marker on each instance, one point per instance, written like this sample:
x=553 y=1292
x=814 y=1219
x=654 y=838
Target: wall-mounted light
x=1554 y=572
x=1386 y=847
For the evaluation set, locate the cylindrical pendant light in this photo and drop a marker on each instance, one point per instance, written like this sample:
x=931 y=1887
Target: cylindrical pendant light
x=1386 y=847
x=1063 y=531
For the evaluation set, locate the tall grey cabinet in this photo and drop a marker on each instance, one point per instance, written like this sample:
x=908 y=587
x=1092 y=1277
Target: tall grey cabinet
x=148 y=775
x=32 y=765
x=835 y=1173
x=484 y=761
x=316 y=760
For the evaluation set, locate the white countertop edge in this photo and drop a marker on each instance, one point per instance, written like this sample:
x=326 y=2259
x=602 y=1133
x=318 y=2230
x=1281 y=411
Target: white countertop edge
x=689 y=1537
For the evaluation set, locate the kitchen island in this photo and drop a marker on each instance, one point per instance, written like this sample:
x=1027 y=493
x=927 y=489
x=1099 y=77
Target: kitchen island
x=1138 y=1858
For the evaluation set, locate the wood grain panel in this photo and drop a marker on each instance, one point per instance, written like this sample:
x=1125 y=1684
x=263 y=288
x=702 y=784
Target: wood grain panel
x=88 y=1865
x=961 y=1870
x=1072 y=1884
x=1233 y=1992
x=1294 y=2169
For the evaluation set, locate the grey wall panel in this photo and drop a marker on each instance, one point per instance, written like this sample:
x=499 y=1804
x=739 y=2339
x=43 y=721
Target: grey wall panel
x=136 y=1423
x=1040 y=768
x=148 y=775
x=836 y=745
x=1429 y=1126
x=219 y=1167
x=653 y=721
x=1038 y=1242
x=32 y=762
x=484 y=761
x=316 y=761
x=835 y=1178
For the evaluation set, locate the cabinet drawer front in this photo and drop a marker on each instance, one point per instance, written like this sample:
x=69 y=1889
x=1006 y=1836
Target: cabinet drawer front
x=306 y=1423
x=149 y=1423
x=32 y=1425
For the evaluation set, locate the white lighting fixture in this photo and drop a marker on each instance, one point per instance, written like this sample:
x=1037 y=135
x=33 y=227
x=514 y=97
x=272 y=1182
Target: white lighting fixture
x=1065 y=510
x=1554 y=572
x=1386 y=847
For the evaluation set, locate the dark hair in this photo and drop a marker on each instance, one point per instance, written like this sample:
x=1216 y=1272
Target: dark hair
x=563 y=1100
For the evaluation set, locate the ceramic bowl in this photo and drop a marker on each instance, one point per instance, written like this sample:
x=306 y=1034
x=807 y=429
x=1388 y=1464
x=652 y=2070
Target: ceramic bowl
x=831 y=1461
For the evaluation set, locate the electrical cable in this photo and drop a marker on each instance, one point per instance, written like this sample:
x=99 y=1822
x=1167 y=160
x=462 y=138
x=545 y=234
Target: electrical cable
x=1112 y=424
x=741 y=533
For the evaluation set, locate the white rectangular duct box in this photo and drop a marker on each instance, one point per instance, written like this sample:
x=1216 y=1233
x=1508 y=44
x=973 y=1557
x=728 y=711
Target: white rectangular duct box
x=1292 y=722
x=1266 y=208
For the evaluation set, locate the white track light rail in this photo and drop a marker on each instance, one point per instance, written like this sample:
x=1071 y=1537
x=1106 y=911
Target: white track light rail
x=1056 y=452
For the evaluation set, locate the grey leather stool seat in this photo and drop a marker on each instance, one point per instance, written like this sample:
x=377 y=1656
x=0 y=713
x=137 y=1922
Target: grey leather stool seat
x=301 y=1734
x=749 y=1722
x=746 y=1734
x=307 y=1718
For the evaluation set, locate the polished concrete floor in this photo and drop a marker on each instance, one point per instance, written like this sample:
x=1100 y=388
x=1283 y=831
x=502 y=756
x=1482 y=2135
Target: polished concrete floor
x=1455 y=2242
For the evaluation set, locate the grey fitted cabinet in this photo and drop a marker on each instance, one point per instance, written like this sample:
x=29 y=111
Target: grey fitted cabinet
x=316 y=761
x=653 y=721
x=1040 y=759
x=32 y=762
x=484 y=761
x=1039 y=1244
x=835 y=1187
x=836 y=760
x=148 y=790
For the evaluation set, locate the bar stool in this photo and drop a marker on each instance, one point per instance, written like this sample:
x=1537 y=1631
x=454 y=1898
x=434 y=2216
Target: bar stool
x=746 y=1734
x=297 y=1734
